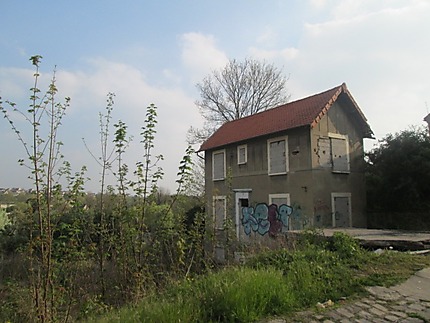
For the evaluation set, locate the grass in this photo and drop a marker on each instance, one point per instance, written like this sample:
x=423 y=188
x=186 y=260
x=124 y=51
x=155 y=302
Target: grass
x=390 y=268
x=274 y=283
x=230 y=295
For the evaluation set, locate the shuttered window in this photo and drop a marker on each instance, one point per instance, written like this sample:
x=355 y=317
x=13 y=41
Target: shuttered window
x=279 y=199
x=277 y=156
x=339 y=155
x=324 y=153
x=219 y=208
x=242 y=154
x=218 y=165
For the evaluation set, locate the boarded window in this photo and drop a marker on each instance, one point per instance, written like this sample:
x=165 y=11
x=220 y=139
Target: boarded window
x=333 y=153
x=218 y=165
x=339 y=152
x=277 y=154
x=242 y=154
x=279 y=199
x=324 y=152
x=284 y=210
x=219 y=208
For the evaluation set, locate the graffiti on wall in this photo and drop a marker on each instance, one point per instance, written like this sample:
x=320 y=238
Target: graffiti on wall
x=265 y=219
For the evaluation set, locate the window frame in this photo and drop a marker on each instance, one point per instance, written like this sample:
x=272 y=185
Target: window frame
x=287 y=196
x=269 y=141
x=239 y=162
x=213 y=165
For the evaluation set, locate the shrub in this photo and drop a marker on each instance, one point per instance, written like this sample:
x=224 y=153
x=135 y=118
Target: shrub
x=346 y=246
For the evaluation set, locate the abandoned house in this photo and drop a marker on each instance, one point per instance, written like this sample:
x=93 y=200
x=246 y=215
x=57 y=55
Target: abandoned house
x=295 y=166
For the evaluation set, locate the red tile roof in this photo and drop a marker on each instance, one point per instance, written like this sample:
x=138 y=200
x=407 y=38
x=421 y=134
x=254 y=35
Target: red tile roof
x=303 y=112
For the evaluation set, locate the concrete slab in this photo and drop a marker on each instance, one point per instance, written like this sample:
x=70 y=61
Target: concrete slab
x=417 y=286
x=384 y=239
x=374 y=234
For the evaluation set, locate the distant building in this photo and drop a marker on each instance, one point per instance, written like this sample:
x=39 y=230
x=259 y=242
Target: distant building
x=427 y=119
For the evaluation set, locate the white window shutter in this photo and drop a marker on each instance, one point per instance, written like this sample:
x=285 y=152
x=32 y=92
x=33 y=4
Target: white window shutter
x=339 y=151
x=218 y=165
x=277 y=157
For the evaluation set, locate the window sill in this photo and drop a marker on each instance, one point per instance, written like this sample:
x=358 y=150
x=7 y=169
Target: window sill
x=277 y=174
x=340 y=172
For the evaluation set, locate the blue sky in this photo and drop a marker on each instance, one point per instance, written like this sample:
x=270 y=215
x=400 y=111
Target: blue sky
x=156 y=51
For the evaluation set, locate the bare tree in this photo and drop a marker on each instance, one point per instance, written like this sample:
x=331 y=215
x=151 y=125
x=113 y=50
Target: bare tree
x=238 y=90
x=241 y=89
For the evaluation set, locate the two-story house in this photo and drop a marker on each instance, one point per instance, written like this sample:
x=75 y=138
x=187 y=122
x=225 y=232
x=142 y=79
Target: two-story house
x=294 y=166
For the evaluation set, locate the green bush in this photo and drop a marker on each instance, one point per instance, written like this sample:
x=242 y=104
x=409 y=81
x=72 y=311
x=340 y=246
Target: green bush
x=346 y=246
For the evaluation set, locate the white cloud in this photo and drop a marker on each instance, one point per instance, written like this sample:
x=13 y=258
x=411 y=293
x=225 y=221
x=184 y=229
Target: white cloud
x=267 y=37
x=200 y=54
x=285 y=54
x=88 y=90
x=10 y=80
x=318 y=4
x=381 y=54
x=347 y=9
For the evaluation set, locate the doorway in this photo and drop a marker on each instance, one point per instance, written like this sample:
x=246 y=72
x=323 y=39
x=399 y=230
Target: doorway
x=241 y=201
x=341 y=210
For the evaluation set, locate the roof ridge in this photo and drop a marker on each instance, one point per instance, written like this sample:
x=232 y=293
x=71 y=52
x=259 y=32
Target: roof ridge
x=343 y=85
x=317 y=94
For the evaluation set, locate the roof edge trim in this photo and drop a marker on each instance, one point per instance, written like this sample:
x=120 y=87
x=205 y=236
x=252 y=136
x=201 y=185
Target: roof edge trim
x=328 y=105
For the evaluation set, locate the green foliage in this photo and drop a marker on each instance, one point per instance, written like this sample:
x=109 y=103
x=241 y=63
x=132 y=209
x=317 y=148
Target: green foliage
x=398 y=173
x=319 y=274
x=243 y=295
x=77 y=254
x=231 y=295
x=14 y=303
x=3 y=218
x=272 y=283
x=317 y=270
x=346 y=247
x=390 y=268
x=46 y=165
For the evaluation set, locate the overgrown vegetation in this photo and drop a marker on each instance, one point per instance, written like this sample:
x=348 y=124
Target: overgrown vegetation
x=66 y=254
x=275 y=283
x=70 y=256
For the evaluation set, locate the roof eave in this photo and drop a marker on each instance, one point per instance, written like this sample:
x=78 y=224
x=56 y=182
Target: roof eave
x=251 y=138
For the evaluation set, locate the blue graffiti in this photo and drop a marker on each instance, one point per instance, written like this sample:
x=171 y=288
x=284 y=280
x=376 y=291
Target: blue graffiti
x=266 y=219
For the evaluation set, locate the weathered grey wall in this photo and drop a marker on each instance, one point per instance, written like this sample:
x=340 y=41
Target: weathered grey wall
x=309 y=183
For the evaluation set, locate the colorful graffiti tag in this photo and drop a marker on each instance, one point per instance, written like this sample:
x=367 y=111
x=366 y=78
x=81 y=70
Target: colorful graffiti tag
x=266 y=219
